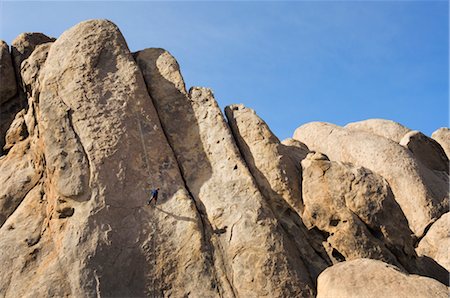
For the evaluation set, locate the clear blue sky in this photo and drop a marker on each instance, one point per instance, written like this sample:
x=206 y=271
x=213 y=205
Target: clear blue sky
x=293 y=62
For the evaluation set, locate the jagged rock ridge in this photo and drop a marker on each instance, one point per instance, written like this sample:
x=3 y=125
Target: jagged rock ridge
x=88 y=128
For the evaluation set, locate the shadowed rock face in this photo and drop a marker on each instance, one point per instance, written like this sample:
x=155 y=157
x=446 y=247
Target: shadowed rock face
x=437 y=241
x=442 y=136
x=90 y=129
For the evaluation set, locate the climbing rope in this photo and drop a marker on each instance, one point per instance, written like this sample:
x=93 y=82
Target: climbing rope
x=155 y=279
x=143 y=146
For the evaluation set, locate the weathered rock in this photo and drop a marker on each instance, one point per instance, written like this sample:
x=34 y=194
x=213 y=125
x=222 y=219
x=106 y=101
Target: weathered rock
x=277 y=172
x=17 y=132
x=426 y=150
x=22 y=250
x=24 y=45
x=8 y=111
x=85 y=145
x=258 y=257
x=98 y=128
x=8 y=86
x=20 y=171
x=274 y=170
x=420 y=192
x=356 y=208
x=31 y=67
x=436 y=242
x=372 y=278
x=381 y=127
x=442 y=136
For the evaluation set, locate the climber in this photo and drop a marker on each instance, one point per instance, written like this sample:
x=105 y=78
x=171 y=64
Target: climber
x=153 y=195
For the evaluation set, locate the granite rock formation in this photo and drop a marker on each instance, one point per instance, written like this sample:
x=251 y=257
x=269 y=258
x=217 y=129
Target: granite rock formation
x=88 y=129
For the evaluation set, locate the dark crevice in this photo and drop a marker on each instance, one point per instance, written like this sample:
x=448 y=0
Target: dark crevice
x=269 y=203
x=21 y=200
x=207 y=229
x=337 y=255
x=425 y=231
x=374 y=231
x=334 y=222
x=377 y=234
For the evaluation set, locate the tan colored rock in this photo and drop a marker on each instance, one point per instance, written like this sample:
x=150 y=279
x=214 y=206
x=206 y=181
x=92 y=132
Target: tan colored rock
x=372 y=278
x=356 y=208
x=420 y=192
x=442 y=136
x=276 y=169
x=24 y=44
x=385 y=128
x=32 y=65
x=269 y=161
x=20 y=171
x=21 y=249
x=436 y=242
x=101 y=136
x=8 y=111
x=30 y=79
x=8 y=86
x=426 y=150
x=17 y=132
x=258 y=257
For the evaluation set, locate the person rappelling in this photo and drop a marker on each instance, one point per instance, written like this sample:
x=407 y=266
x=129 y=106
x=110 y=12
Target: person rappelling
x=153 y=196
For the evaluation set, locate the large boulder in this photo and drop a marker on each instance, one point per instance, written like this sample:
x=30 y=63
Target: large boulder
x=442 y=136
x=356 y=208
x=436 y=242
x=426 y=150
x=385 y=128
x=421 y=193
x=258 y=257
x=373 y=278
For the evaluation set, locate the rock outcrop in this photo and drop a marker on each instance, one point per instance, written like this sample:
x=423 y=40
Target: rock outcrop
x=371 y=278
x=247 y=238
x=421 y=193
x=436 y=243
x=277 y=172
x=426 y=150
x=442 y=136
x=88 y=129
x=385 y=128
x=356 y=208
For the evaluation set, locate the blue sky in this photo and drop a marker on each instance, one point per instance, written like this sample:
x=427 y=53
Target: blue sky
x=293 y=62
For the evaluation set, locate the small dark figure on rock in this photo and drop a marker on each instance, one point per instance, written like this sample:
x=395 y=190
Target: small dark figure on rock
x=153 y=196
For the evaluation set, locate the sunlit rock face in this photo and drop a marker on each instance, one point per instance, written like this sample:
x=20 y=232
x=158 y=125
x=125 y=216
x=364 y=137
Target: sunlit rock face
x=88 y=129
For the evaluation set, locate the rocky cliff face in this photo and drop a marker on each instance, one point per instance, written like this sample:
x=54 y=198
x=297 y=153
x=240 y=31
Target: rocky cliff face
x=87 y=129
